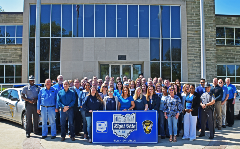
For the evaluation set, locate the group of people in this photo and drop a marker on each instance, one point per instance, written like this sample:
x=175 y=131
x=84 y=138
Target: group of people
x=179 y=107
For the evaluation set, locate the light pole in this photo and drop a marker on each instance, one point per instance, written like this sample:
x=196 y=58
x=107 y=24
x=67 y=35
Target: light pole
x=203 y=59
x=37 y=43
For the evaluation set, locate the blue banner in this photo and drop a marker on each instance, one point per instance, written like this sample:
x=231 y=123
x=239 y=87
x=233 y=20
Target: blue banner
x=124 y=127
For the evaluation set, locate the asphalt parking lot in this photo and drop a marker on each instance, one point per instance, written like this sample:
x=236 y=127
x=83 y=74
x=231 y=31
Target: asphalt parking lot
x=13 y=136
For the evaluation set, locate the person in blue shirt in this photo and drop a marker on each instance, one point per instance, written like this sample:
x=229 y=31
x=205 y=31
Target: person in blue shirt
x=119 y=88
x=92 y=102
x=126 y=101
x=230 y=102
x=81 y=100
x=224 y=101
x=140 y=100
x=66 y=100
x=200 y=90
x=47 y=100
x=110 y=102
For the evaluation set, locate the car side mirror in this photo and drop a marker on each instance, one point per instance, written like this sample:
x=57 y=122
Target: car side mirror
x=14 y=99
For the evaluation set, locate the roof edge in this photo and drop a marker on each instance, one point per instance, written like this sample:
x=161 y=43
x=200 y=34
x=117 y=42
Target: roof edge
x=11 y=12
x=225 y=15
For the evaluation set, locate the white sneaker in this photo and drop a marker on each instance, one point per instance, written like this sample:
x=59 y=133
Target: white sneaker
x=185 y=138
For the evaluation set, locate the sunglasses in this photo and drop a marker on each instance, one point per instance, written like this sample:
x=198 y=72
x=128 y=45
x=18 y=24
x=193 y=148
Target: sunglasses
x=171 y=90
x=220 y=82
x=104 y=86
x=99 y=82
x=202 y=82
x=110 y=92
x=126 y=84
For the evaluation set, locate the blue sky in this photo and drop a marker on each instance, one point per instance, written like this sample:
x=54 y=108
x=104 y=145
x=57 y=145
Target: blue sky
x=229 y=7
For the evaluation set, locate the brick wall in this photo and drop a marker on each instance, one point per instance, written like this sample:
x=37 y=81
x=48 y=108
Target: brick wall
x=11 y=18
x=194 y=39
x=11 y=54
x=228 y=20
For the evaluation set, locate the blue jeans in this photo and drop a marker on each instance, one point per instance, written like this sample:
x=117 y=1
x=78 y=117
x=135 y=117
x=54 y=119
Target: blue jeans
x=63 y=115
x=84 y=121
x=172 y=125
x=162 y=122
x=89 y=126
x=48 y=113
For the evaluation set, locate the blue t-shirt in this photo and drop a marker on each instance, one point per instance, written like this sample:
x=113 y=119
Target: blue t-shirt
x=231 y=90
x=188 y=101
x=225 y=92
x=200 y=90
x=125 y=103
x=111 y=104
x=140 y=103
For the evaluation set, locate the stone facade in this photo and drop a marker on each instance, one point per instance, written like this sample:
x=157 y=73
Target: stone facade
x=11 y=54
x=194 y=40
x=11 y=18
x=222 y=20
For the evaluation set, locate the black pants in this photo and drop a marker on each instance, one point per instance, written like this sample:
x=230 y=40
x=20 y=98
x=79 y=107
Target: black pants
x=77 y=121
x=230 y=112
x=31 y=109
x=207 y=115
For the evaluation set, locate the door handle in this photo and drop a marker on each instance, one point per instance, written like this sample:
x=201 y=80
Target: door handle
x=6 y=103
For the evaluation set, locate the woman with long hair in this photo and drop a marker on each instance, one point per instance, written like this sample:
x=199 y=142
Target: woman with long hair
x=191 y=105
x=144 y=89
x=103 y=90
x=93 y=102
x=119 y=88
x=132 y=88
x=140 y=100
x=81 y=100
x=158 y=88
x=110 y=102
x=152 y=99
x=172 y=110
x=126 y=101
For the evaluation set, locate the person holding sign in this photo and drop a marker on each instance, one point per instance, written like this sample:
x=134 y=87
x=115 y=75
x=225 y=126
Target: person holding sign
x=192 y=103
x=140 y=100
x=110 y=102
x=126 y=101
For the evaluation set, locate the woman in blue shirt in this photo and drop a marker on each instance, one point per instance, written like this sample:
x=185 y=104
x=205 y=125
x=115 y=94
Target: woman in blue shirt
x=93 y=102
x=172 y=109
x=126 y=101
x=140 y=100
x=110 y=102
x=119 y=88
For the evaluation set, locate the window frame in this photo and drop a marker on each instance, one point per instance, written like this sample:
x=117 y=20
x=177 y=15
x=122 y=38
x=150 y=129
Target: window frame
x=14 y=37
x=225 y=38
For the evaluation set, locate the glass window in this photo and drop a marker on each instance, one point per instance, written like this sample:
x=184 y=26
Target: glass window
x=175 y=22
x=132 y=21
x=165 y=23
x=88 y=20
x=165 y=50
x=99 y=20
x=10 y=40
x=220 y=32
x=14 y=94
x=56 y=21
x=137 y=69
x=155 y=69
x=10 y=31
x=166 y=70
x=104 y=70
x=9 y=71
x=229 y=42
x=143 y=21
x=230 y=70
x=55 y=70
x=115 y=71
x=111 y=20
x=232 y=79
x=1 y=71
x=77 y=20
x=19 y=31
x=18 y=80
x=32 y=20
x=126 y=71
x=45 y=47
x=67 y=20
x=18 y=70
x=220 y=41
x=2 y=40
x=237 y=70
x=32 y=49
x=55 y=49
x=176 y=49
x=154 y=21
x=230 y=32
x=45 y=21
x=31 y=69
x=121 y=20
x=237 y=42
x=44 y=71
x=237 y=79
x=237 y=33
x=176 y=71
x=2 y=31
x=154 y=50
x=5 y=94
x=19 y=40
x=221 y=70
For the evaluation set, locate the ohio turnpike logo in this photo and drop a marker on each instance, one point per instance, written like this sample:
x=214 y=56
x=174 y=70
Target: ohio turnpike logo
x=123 y=125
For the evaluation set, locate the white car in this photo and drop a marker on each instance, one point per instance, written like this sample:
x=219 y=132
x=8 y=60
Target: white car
x=237 y=105
x=12 y=107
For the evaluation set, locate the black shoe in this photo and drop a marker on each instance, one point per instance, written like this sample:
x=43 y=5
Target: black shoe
x=168 y=136
x=219 y=128
x=78 y=134
x=73 y=139
x=201 y=135
x=38 y=133
x=223 y=126
x=53 y=137
x=43 y=137
x=211 y=137
x=28 y=135
x=63 y=138
x=162 y=137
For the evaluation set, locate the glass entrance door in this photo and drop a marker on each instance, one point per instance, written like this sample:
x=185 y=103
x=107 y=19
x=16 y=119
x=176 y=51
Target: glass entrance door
x=121 y=71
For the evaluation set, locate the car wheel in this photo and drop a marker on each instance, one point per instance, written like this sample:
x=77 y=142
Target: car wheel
x=24 y=121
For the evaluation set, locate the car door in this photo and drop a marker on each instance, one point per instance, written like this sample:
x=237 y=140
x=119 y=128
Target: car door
x=3 y=106
x=11 y=104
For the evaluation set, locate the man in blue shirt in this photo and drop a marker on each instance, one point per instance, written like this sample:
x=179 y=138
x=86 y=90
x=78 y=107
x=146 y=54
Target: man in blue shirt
x=47 y=99
x=230 y=102
x=66 y=100
x=224 y=99
x=200 y=90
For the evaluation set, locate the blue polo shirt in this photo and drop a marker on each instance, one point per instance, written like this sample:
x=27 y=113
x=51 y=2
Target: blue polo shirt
x=125 y=103
x=58 y=87
x=66 y=98
x=225 y=92
x=47 y=97
x=200 y=90
x=231 y=90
